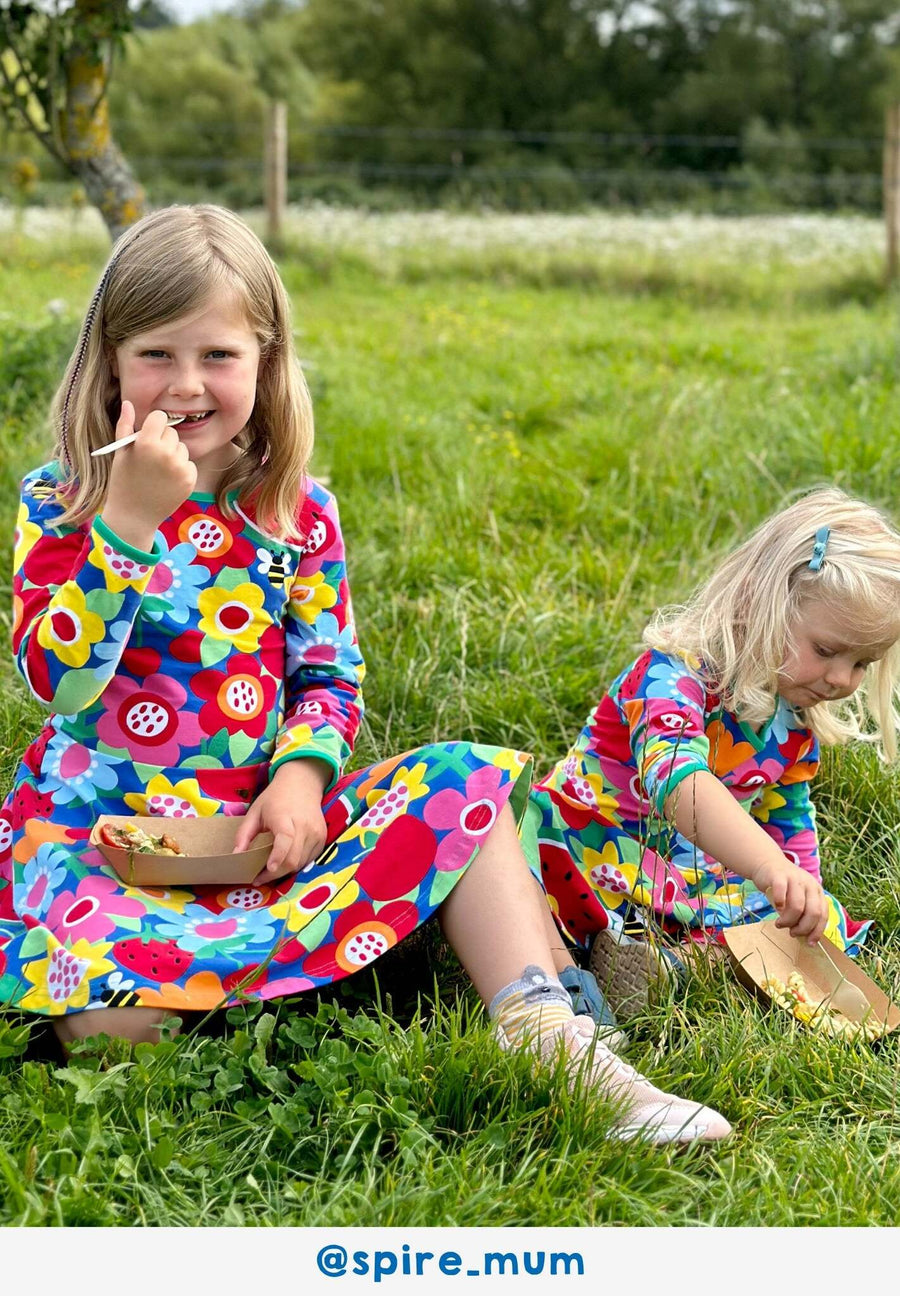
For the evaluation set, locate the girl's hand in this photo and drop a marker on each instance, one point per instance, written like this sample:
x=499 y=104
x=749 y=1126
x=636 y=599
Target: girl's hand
x=147 y=480
x=799 y=899
x=291 y=808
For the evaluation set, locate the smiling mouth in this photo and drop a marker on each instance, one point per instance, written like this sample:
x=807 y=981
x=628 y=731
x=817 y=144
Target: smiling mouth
x=185 y=420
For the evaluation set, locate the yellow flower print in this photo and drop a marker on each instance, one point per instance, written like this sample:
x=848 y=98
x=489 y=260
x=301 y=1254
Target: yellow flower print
x=25 y=537
x=411 y=778
x=832 y=930
x=511 y=761
x=386 y=803
x=120 y=571
x=731 y=895
x=770 y=801
x=291 y=740
x=62 y=980
x=312 y=595
x=68 y=629
x=327 y=890
x=157 y=898
x=612 y=879
x=237 y=615
x=181 y=800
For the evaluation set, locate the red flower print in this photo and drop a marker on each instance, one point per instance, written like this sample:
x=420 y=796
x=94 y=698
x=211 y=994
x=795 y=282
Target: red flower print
x=317 y=531
x=141 y=661
x=218 y=541
x=360 y=935
x=607 y=732
x=234 y=788
x=52 y=555
x=574 y=816
x=400 y=858
x=186 y=647
x=239 y=699
x=148 y=719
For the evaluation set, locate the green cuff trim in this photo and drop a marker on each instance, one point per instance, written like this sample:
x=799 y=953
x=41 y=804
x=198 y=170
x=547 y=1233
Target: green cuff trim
x=305 y=753
x=666 y=789
x=124 y=547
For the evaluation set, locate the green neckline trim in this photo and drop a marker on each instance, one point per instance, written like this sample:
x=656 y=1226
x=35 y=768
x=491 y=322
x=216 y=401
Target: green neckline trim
x=208 y=497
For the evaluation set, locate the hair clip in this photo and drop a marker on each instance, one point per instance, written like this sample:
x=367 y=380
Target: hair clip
x=818 y=554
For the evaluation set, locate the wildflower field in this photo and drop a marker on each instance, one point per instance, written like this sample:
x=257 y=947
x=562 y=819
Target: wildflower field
x=538 y=428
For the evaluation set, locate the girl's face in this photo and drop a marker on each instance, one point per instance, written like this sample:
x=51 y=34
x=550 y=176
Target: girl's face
x=203 y=365
x=827 y=661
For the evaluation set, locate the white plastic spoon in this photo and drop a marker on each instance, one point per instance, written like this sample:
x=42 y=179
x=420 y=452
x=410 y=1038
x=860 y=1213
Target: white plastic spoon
x=172 y=419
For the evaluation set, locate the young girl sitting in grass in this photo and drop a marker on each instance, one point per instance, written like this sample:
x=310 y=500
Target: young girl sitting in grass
x=181 y=606
x=684 y=805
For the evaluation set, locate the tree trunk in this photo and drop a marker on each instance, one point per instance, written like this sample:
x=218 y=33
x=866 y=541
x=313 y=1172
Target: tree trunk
x=85 y=133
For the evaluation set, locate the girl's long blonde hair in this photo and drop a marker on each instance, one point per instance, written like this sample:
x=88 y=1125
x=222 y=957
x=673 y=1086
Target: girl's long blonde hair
x=740 y=623
x=169 y=265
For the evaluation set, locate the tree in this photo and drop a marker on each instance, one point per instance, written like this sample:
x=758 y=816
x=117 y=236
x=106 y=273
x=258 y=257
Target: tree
x=55 y=66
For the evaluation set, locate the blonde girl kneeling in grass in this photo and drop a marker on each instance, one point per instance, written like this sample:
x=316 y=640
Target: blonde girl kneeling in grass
x=684 y=805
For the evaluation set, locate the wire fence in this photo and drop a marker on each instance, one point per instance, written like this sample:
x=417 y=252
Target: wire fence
x=514 y=169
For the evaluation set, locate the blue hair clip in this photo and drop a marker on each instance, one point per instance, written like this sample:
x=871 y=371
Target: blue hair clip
x=818 y=555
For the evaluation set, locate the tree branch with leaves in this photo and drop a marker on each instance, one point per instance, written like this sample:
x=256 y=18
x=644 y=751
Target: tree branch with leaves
x=56 y=60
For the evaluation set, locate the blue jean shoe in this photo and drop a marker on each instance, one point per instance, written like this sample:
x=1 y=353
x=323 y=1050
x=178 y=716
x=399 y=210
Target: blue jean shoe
x=588 y=1000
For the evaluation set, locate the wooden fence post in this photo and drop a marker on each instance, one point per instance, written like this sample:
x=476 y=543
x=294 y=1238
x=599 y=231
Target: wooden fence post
x=276 y=169
x=891 y=178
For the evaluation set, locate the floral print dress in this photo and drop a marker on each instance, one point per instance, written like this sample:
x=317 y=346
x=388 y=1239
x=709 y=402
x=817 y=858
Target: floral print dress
x=607 y=854
x=179 y=681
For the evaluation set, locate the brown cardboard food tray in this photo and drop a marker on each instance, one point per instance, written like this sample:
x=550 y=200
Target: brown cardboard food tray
x=762 y=950
x=208 y=841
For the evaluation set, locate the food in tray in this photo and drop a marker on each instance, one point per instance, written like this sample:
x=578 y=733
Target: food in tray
x=131 y=838
x=795 y=997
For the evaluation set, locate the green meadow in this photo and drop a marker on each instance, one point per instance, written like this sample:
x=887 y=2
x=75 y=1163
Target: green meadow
x=536 y=438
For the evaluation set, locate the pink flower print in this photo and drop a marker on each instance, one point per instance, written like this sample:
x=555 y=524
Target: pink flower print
x=90 y=912
x=468 y=817
x=146 y=719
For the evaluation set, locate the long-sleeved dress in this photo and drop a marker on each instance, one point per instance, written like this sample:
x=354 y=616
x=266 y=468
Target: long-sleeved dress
x=179 y=681
x=606 y=849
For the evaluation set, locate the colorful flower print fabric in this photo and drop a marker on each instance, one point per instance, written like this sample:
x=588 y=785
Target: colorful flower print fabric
x=179 y=681
x=605 y=847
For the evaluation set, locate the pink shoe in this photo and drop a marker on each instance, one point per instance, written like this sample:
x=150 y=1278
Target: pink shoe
x=645 y=1112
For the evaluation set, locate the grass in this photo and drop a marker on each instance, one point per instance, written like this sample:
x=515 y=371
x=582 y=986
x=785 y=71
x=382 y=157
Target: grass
x=532 y=449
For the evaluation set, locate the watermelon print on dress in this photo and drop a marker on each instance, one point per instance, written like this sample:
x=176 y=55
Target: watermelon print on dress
x=605 y=847
x=178 y=682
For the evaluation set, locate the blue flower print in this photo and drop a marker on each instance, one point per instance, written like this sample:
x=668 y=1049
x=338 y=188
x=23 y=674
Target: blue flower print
x=73 y=772
x=784 y=721
x=111 y=649
x=667 y=680
x=173 y=587
x=321 y=644
x=198 y=929
x=44 y=872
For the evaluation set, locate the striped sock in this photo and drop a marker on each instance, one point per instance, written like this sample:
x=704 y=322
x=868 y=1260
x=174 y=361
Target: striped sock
x=532 y=1008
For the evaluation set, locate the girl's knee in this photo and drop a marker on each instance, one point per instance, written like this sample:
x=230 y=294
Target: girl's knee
x=139 y=1025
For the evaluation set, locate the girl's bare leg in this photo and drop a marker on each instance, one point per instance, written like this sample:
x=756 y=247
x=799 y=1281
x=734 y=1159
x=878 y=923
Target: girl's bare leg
x=140 y=1025
x=496 y=917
